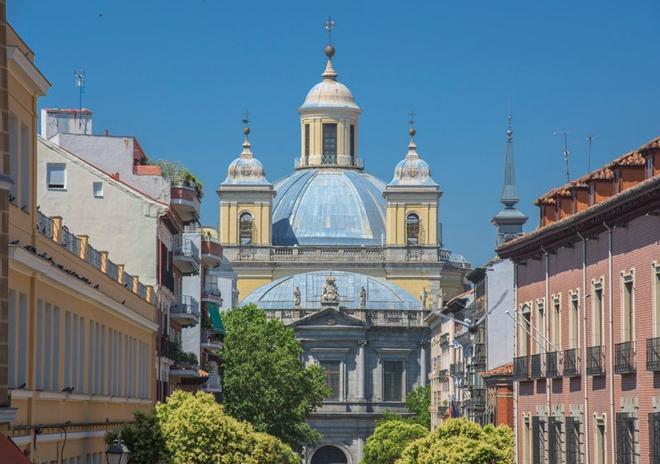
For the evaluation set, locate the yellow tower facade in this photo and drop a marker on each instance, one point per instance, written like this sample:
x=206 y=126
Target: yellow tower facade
x=412 y=199
x=246 y=199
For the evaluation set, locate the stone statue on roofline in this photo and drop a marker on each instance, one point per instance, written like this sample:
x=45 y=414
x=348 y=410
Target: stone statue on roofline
x=363 y=298
x=296 y=297
x=330 y=293
x=423 y=297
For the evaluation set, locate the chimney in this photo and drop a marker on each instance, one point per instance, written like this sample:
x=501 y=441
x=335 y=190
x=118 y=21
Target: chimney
x=65 y=121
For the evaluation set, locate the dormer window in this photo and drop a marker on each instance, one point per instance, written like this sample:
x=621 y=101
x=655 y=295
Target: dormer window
x=329 y=143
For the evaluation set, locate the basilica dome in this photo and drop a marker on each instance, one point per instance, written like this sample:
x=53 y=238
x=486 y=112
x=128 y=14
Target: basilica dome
x=380 y=294
x=329 y=207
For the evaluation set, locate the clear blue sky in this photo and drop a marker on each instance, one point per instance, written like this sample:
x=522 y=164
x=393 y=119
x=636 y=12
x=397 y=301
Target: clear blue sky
x=178 y=75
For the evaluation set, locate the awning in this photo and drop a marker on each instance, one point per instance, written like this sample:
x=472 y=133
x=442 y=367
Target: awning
x=10 y=453
x=216 y=318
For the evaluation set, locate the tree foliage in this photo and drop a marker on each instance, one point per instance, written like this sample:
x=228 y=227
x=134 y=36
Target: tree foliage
x=390 y=439
x=144 y=439
x=418 y=402
x=265 y=380
x=197 y=431
x=459 y=441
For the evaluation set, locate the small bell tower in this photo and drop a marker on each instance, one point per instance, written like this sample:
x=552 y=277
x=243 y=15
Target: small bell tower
x=246 y=200
x=412 y=201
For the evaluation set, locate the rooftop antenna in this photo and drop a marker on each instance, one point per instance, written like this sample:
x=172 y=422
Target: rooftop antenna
x=79 y=79
x=589 y=140
x=566 y=153
x=329 y=26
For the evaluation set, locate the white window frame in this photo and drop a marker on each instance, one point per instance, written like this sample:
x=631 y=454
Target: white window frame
x=97 y=189
x=50 y=168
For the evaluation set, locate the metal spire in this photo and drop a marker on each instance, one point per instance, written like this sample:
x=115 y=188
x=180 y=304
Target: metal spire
x=509 y=191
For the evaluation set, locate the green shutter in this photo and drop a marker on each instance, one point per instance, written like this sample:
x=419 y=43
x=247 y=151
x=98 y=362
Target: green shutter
x=216 y=319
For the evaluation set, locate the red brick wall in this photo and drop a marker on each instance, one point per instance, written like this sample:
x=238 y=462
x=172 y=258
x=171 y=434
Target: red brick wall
x=635 y=248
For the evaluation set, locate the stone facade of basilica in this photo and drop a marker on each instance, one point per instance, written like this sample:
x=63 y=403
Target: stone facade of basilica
x=352 y=263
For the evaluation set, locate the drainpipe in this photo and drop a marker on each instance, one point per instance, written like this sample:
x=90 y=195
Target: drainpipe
x=584 y=346
x=610 y=335
x=545 y=325
x=516 y=430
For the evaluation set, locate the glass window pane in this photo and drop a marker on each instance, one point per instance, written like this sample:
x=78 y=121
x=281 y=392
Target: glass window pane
x=332 y=378
x=392 y=380
x=329 y=143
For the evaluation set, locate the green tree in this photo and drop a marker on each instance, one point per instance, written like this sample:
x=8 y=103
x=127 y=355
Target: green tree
x=197 y=431
x=144 y=439
x=265 y=380
x=390 y=439
x=418 y=402
x=459 y=441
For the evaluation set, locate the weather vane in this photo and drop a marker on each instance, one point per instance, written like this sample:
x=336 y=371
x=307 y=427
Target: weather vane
x=411 y=121
x=245 y=119
x=329 y=26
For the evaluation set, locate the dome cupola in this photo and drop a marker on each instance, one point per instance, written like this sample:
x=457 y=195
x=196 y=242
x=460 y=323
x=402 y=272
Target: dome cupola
x=246 y=169
x=329 y=121
x=412 y=170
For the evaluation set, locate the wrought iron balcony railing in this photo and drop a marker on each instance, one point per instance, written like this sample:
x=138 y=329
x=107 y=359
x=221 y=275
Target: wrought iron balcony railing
x=479 y=356
x=521 y=368
x=537 y=370
x=552 y=365
x=653 y=354
x=456 y=370
x=571 y=366
x=595 y=360
x=625 y=361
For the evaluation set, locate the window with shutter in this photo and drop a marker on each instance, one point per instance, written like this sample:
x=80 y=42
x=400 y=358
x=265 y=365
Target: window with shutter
x=56 y=175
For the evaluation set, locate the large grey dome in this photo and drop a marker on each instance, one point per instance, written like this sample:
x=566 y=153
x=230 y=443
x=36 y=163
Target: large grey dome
x=381 y=294
x=329 y=207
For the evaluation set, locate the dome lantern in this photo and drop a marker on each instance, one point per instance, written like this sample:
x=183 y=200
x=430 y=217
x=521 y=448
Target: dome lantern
x=246 y=169
x=329 y=121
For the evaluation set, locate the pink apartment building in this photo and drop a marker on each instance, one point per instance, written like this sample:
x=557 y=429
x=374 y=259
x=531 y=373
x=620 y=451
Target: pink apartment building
x=587 y=365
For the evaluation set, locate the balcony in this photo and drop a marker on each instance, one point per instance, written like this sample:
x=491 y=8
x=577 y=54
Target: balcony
x=479 y=357
x=211 y=294
x=213 y=383
x=186 y=256
x=625 y=361
x=456 y=370
x=653 y=354
x=552 y=365
x=185 y=201
x=537 y=367
x=477 y=400
x=211 y=252
x=521 y=368
x=571 y=363
x=444 y=340
x=185 y=312
x=210 y=340
x=595 y=360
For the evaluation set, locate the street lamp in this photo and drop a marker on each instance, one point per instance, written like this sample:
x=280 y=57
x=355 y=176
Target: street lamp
x=117 y=452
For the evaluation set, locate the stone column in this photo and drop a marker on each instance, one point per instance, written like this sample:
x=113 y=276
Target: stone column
x=362 y=369
x=423 y=372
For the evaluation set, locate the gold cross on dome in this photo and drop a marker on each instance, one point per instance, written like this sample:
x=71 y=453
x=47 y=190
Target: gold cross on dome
x=245 y=120
x=329 y=26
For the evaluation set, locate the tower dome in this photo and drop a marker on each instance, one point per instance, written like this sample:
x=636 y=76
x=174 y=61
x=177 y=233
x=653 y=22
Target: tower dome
x=246 y=169
x=412 y=170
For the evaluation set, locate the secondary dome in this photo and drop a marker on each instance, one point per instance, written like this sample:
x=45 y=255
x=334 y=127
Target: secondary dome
x=329 y=207
x=246 y=169
x=412 y=170
x=380 y=294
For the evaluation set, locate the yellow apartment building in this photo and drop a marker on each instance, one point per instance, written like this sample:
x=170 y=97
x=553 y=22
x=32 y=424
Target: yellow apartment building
x=81 y=329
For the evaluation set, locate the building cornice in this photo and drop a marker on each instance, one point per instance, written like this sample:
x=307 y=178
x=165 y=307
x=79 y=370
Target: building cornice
x=45 y=271
x=37 y=80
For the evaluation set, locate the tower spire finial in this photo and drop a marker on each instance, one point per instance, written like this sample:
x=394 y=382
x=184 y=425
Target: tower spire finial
x=246 y=132
x=412 y=131
x=329 y=72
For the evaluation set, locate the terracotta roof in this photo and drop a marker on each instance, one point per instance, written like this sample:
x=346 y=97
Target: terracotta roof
x=632 y=158
x=11 y=454
x=504 y=369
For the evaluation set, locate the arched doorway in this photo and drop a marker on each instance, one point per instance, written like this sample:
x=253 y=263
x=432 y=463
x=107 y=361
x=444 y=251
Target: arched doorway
x=329 y=455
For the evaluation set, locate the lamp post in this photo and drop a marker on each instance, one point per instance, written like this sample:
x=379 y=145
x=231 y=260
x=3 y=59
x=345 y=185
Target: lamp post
x=117 y=452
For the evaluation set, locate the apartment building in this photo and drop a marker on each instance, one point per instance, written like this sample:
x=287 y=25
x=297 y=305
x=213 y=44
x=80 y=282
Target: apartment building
x=588 y=318
x=80 y=329
x=96 y=181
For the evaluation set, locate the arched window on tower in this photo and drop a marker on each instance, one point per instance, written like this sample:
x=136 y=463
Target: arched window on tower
x=412 y=229
x=329 y=144
x=245 y=224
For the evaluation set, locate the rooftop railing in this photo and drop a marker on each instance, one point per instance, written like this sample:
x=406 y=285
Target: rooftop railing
x=79 y=246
